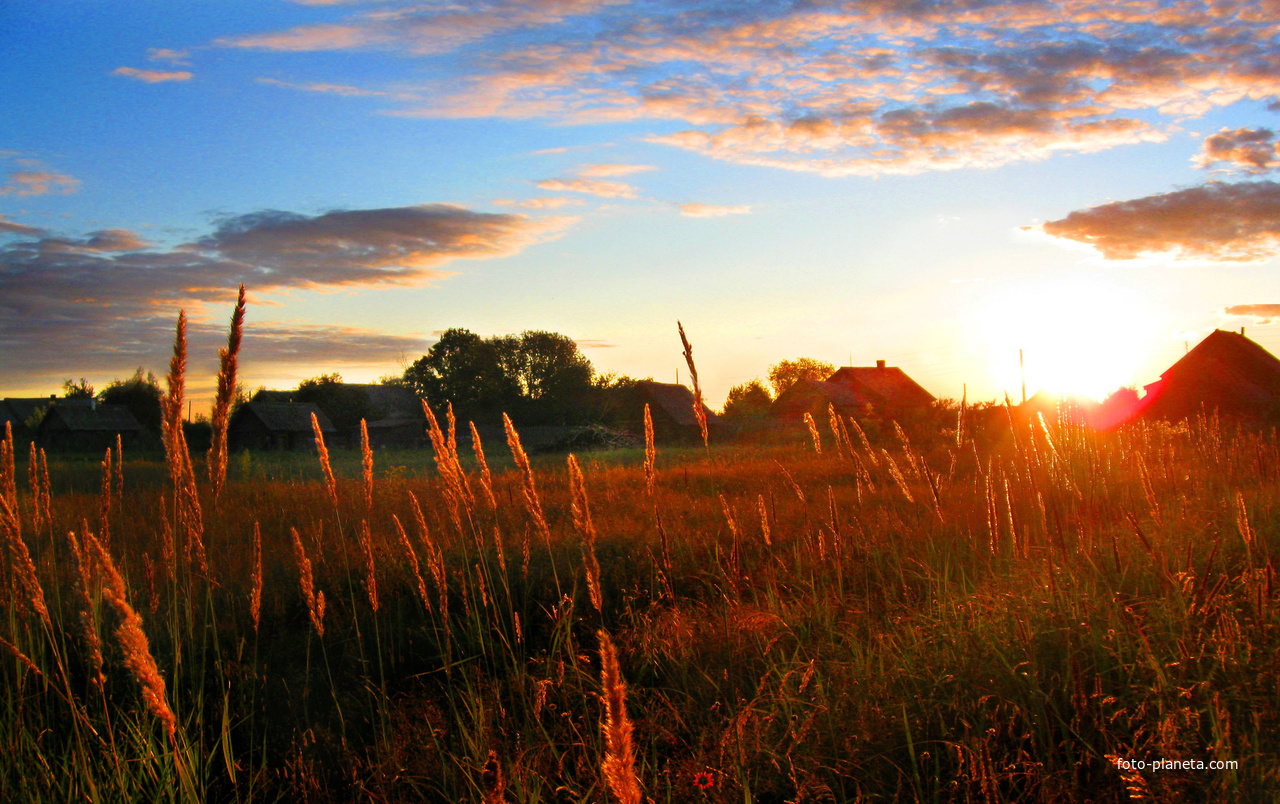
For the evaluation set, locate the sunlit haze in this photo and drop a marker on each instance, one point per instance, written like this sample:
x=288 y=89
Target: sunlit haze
x=942 y=186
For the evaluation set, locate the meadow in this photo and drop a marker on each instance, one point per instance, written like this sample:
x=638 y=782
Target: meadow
x=884 y=621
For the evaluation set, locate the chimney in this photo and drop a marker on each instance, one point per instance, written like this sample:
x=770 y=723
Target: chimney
x=879 y=364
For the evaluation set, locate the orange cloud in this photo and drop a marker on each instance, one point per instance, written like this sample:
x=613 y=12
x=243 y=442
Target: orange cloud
x=152 y=76
x=39 y=182
x=1250 y=150
x=1265 y=313
x=596 y=187
x=712 y=211
x=1218 y=222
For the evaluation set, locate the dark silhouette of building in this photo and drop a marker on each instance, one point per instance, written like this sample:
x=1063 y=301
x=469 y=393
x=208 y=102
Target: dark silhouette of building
x=85 y=425
x=879 y=390
x=1226 y=372
x=276 y=426
x=670 y=408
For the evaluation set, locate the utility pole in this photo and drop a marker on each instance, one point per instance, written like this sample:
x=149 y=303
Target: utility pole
x=1022 y=368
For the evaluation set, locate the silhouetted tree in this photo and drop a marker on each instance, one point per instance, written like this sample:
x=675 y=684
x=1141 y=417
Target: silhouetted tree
x=785 y=373
x=747 y=402
x=77 y=390
x=140 y=394
x=344 y=405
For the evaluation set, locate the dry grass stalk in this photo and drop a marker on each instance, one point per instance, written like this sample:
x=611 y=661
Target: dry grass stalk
x=699 y=410
x=329 y=483
x=735 y=545
x=764 y=521
x=104 y=500
x=20 y=563
x=619 y=761
x=45 y=493
x=371 y=581
x=650 y=455
x=315 y=602
x=255 y=595
x=119 y=469
x=813 y=431
x=228 y=357
x=435 y=560
x=8 y=481
x=86 y=587
x=444 y=444
x=412 y=555
x=132 y=639
x=833 y=421
x=897 y=475
x=587 y=530
x=495 y=786
x=526 y=474
x=486 y=479
x=366 y=465
x=866 y=444
x=33 y=475
x=21 y=657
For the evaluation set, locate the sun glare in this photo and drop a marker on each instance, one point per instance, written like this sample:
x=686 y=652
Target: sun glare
x=1082 y=336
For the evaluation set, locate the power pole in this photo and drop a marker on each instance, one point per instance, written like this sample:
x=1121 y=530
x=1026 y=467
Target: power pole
x=1022 y=368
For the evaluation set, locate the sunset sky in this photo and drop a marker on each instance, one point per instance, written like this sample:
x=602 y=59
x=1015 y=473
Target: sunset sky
x=935 y=184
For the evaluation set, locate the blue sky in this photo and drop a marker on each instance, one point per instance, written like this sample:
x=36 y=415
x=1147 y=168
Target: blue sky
x=936 y=184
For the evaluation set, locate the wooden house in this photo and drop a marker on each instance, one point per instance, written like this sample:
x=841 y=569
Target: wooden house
x=670 y=408
x=285 y=426
x=74 y=424
x=859 y=391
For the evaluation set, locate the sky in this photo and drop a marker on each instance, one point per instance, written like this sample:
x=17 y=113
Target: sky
x=1070 y=193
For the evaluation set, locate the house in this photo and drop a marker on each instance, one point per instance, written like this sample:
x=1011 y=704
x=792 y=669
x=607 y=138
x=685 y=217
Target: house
x=670 y=408
x=884 y=391
x=276 y=426
x=1226 y=372
x=86 y=425
x=22 y=415
x=815 y=397
x=395 y=417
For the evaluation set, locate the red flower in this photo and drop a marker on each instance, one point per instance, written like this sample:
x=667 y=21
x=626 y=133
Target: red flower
x=704 y=780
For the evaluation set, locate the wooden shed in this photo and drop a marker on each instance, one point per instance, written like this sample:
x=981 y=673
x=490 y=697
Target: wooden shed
x=276 y=426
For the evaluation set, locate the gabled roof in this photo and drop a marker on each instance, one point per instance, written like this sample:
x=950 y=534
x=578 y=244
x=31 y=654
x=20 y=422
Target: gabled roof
x=1225 y=370
x=19 y=409
x=391 y=402
x=802 y=393
x=86 y=418
x=884 y=385
x=675 y=400
x=289 y=417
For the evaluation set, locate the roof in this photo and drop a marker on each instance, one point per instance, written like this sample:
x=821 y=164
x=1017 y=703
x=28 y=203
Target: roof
x=1225 y=370
x=93 y=418
x=289 y=417
x=392 y=402
x=675 y=400
x=802 y=393
x=884 y=385
x=20 y=409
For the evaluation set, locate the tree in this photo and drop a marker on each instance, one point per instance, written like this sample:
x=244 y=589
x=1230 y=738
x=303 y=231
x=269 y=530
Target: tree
x=786 y=373
x=344 y=405
x=748 y=401
x=77 y=390
x=140 y=394
x=463 y=369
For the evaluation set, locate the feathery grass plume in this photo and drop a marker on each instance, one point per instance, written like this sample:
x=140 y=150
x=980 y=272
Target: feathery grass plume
x=435 y=560
x=833 y=421
x=45 y=493
x=699 y=410
x=907 y=451
x=764 y=521
x=20 y=563
x=33 y=475
x=813 y=431
x=193 y=519
x=85 y=590
x=228 y=357
x=132 y=639
x=650 y=456
x=619 y=764
x=866 y=444
x=526 y=473
x=323 y=452
x=371 y=581
x=171 y=404
x=587 y=530
x=412 y=555
x=255 y=595
x=735 y=546
x=315 y=602
x=21 y=657
x=897 y=475
x=8 y=481
x=366 y=464
x=1242 y=522
x=457 y=493
x=119 y=469
x=486 y=479
x=104 y=500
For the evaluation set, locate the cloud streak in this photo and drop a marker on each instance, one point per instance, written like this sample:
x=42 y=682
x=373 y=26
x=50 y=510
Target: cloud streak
x=107 y=299
x=152 y=76
x=1219 y=222
x=887 y=86
x=1265 y=313
x=712 y=211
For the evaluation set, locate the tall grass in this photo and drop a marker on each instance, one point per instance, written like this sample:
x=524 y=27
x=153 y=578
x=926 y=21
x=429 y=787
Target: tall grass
x=1002 y=613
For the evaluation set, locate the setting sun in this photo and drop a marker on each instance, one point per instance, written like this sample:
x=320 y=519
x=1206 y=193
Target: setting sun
x=1082 y=336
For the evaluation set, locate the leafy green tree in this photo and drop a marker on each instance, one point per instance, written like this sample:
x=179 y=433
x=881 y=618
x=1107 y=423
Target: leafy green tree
x=748 y=401
x=464 y=369
x=786 y=373
x=140 y=394
x=77 y=390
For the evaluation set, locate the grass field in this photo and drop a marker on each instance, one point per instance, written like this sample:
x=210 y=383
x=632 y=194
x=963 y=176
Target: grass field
x=877 y=622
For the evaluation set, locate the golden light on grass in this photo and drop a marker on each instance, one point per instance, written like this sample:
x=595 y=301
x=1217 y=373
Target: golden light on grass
x=314 y=600
x=228 y=359
x=619 y=763
x=699 y=410
x=586 y=530
x=325 y=466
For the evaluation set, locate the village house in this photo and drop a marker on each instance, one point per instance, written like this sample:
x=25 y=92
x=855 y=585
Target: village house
x=262 y=425
x=860 y=391
x=84 y=424
x=1226 y=372
x=670 y=409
